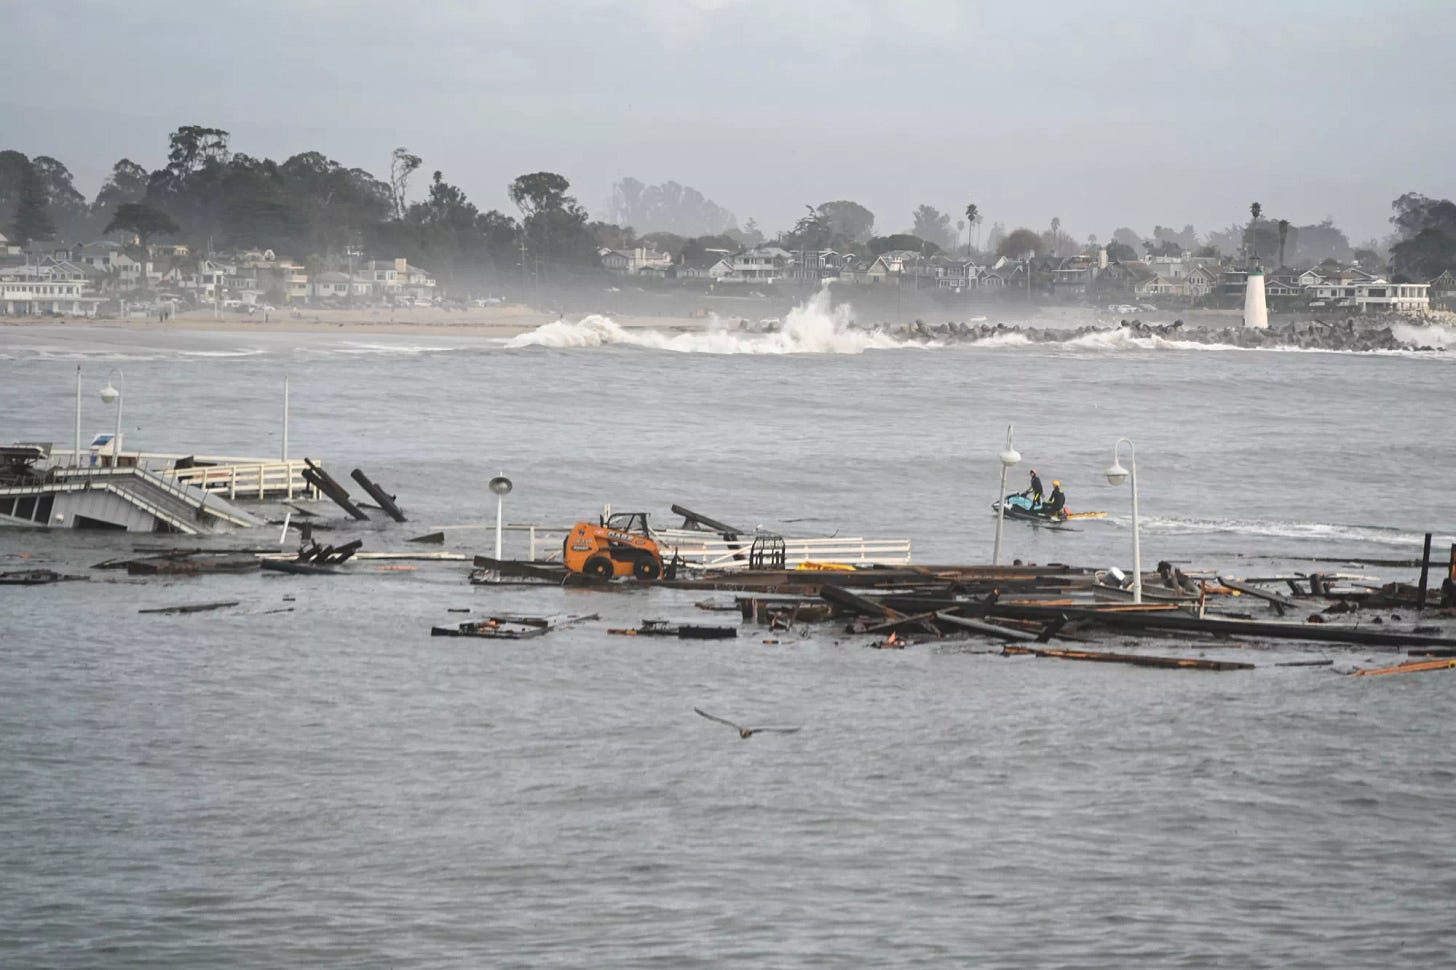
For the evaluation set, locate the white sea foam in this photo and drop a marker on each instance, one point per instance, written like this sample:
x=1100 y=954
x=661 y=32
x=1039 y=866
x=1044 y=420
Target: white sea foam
x=1317 y=531
x=1122 y=338
x=813 y=327
x=1429 y=335
x=1010 y=338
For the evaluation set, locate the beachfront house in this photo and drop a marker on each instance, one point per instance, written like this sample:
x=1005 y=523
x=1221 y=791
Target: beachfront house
x=32 y=291
x=1369 y=296
x=1442 y=291
x=1073 y=276
x=633 y=262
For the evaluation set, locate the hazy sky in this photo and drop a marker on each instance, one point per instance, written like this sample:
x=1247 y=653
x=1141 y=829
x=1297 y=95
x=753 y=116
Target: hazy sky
x=1104 y=113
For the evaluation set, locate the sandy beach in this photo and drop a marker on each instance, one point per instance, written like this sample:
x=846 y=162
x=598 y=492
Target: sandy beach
x=501 y=321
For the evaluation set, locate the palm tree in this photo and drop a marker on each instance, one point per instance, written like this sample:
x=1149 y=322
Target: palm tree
x=973 y=216
x=1283 y=235
x=1256 y=210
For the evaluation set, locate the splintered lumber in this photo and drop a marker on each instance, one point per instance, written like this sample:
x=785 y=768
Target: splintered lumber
x=1281 y=603
x=33 y=577
x=385 y=500
x=510 y=626
x=192 y=607
x=852 y=603
x=1411 y=667
x=905 y=624
x=693 y=520
x=1172 y=619
x=980 y=626
x=435 y=537
x=297 y=568
x=324 y=482
x=1136 y=659
x=191 y=566
x=683 y=631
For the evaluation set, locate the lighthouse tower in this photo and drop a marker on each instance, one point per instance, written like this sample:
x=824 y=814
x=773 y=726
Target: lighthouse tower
x=1256 y=313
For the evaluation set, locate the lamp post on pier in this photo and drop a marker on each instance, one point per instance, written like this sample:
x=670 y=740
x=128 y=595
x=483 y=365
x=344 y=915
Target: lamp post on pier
x=1008 y=458
x=1116 y=475
x=110 y=394
x=501 y=486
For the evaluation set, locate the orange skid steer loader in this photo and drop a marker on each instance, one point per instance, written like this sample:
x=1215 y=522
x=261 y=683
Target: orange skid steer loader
x=620 y=546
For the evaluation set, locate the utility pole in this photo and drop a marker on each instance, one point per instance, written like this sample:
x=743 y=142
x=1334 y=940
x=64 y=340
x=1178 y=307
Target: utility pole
x=524 y=270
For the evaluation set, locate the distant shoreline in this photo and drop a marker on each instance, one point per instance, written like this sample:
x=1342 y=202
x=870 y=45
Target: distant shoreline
x=490 y=322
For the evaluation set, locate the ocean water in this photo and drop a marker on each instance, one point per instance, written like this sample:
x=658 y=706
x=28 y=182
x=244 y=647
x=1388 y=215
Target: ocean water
x=310 y=779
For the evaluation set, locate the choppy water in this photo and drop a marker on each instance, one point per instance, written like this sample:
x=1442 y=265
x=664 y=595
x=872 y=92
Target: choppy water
x=330 y=786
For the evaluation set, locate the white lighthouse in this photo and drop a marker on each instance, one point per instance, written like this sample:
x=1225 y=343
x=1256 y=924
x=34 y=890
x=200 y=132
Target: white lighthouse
x=1256 y=313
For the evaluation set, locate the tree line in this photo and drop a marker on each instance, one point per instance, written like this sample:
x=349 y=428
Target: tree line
x=313 y=209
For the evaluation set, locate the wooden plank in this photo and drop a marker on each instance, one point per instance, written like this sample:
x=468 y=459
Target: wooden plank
x=980 y=626
x=192 y=607
x=1412 y=667
x=846 y=600
x=1281 y=603
x=1139 y=660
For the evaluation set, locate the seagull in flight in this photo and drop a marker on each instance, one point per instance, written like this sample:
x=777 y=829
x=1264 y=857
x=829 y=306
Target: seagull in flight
x=745 y=732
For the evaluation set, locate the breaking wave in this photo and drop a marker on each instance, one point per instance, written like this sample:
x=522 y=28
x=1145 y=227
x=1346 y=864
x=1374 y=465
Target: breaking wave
x=1427 y=335
x=1124 y=339
x=812 y=327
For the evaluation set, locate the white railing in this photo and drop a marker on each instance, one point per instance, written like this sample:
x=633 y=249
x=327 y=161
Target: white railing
x=239 y=477
x=194 y=499
x=253 y=480
x=708 y=550
x=711 y=551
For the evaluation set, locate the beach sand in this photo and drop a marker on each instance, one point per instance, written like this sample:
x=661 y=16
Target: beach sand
x=501 y=321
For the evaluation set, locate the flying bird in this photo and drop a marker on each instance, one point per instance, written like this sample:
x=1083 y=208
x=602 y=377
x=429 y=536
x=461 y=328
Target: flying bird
x=745 y=732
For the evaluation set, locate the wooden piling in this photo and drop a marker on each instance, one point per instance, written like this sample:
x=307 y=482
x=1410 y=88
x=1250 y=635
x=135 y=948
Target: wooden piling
x=1425 y=569
x=325 y=483
x=385 y=500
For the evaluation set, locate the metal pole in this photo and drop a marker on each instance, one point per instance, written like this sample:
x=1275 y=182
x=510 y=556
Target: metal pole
x=1000 y=516
x=1007 y=458
x=1137 y=554
x=285 y=418
x=76 y=458
x=116 y=438
x=500 y=501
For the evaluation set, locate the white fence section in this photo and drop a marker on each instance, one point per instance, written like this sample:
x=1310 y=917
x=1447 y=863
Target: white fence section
x=712 y=551
x=258 y=480
x=238 y=477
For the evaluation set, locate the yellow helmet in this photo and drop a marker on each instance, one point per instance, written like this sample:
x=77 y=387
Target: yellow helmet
x=1056 y=484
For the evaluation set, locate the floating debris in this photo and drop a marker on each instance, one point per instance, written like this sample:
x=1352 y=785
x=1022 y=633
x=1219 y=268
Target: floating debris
x=35 y=577
x=506 y=626
x=192 y=607
x=1411 y=667
x=683 y=631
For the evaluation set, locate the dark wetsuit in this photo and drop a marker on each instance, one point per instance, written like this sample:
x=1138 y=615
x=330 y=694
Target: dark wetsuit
x=1035 y=490
x=1054 y=501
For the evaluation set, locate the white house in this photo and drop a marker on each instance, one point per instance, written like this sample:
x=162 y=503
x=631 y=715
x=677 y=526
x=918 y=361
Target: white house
x=1371 y=296
x=29 y=291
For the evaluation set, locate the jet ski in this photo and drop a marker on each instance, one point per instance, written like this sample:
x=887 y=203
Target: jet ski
x=1020 y=507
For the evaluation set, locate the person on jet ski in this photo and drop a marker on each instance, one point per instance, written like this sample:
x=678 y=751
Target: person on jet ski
x=1034 y=491
x=1055 y=502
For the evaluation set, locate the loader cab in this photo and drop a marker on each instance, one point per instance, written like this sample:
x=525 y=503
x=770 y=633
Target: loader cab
x=634 y=522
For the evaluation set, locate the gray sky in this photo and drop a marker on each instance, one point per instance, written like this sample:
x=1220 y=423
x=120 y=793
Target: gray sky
x=1104 y=113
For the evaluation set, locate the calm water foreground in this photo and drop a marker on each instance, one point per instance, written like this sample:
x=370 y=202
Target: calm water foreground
x=330 y=786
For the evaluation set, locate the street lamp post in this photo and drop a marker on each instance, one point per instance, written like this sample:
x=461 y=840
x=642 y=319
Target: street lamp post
x=1116 y=474
x=501 y=486
x=109 y=393
x=1008 y=458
